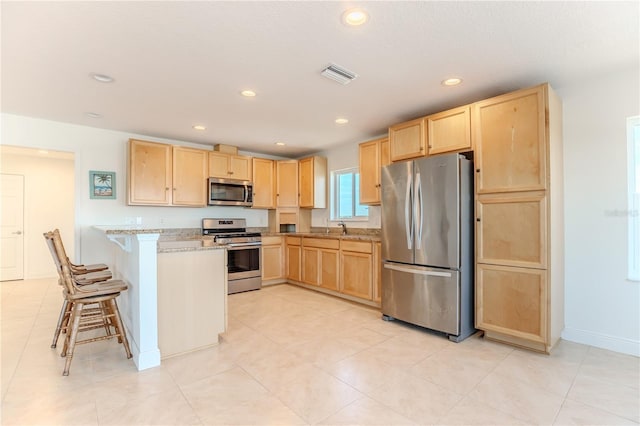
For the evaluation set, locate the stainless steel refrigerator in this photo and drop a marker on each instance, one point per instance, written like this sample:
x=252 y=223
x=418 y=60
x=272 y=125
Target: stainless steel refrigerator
x=427 y=244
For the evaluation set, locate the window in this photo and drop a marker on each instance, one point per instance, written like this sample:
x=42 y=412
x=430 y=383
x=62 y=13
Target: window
x=633 y=140
x=345 y=197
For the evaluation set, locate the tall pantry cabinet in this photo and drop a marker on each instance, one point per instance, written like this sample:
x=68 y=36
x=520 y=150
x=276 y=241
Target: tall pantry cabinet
x=519 y=218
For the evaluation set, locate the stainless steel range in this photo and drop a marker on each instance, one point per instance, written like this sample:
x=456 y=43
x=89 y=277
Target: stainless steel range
x=243 y=248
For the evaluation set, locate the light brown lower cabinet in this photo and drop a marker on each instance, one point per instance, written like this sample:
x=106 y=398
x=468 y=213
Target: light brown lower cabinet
x=356 y=269
x=348 y=267
x=320 y=262
x=273 y=259
x=512 y=304
x=377 y=272
x=293 y=258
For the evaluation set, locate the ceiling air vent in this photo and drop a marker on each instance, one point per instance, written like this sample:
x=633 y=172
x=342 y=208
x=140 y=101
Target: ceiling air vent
x=339 y=74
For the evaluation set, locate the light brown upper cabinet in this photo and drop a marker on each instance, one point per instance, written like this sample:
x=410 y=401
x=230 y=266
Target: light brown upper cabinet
x=163 y=175
x=519 y=218
x=449 y=131
x=229 y=166
x=264 y=183
x=510 y=134
x=313 y=182
x=287 y=183
x=372 y=156
x=189 y=177
x=407 y=140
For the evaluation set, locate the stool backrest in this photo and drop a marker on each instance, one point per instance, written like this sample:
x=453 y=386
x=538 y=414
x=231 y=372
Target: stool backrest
x=49 y=237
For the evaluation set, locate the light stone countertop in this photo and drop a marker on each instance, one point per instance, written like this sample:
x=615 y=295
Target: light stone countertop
x=333 y=235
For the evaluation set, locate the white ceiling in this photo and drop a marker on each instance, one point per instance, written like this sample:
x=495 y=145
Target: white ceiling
x=177 y=64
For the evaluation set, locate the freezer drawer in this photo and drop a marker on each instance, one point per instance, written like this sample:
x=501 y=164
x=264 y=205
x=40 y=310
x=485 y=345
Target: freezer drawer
x=427 y=297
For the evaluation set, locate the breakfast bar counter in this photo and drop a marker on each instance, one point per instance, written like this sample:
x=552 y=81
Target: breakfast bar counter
x=136 y=260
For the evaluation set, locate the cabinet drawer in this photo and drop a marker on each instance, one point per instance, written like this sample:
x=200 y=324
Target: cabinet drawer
x=321 y=243
x=294 y=241
x=357 y=246
x=271 y=241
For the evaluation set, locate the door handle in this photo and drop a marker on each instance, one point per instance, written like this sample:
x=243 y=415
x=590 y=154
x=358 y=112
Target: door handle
x=17 y=233
x=417 y=271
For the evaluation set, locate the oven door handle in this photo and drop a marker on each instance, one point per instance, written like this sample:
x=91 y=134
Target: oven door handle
x=238 y=246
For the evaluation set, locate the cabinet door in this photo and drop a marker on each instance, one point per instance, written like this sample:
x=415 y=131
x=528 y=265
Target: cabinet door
x=356 y=274
x=218 y=165
x=369 y=167
x=329 y=269
x=407 y=140
x=272 y=261
x=287 y=183
x=510 y=139
x=305 y=170
x=377 y=272
x=449 y=131
x=512 y=301
x=240 y=167
x=149 y=173
x=293 y=262
x=189 y=177
x=511 y=229
x=310 y=265
x=264 y=191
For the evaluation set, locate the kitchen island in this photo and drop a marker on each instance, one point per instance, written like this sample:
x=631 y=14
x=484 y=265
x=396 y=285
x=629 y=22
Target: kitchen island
x=136 y=260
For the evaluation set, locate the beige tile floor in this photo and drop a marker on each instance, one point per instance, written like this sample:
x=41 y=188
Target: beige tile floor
x=292 y=356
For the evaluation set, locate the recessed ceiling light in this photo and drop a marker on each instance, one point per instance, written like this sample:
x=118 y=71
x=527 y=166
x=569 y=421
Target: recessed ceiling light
x=280 y=143
x=355 y=17
x=93 y=115
x=43 y=151
x=248 y=93
x=102 y=78
x=199 y=127
x=341 y=121
x=451 y=81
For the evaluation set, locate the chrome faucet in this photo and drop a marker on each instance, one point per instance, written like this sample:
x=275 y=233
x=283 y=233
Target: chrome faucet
x=344 y=227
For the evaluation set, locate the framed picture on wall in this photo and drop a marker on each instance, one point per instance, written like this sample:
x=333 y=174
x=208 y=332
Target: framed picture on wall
x=102 y=185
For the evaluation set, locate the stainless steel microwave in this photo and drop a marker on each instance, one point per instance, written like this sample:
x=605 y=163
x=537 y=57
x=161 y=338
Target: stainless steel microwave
x=230 y=192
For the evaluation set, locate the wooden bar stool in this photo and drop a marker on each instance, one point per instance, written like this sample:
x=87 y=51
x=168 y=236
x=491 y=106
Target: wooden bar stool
x=94 y=273
x=86 y=316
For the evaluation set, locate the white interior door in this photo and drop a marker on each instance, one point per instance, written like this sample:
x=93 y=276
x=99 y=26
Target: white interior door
x=11 y=227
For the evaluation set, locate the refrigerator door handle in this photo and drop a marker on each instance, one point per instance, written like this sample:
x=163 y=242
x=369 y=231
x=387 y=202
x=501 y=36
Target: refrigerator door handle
x=408 y=223
x=417 y=271
x=418 y=211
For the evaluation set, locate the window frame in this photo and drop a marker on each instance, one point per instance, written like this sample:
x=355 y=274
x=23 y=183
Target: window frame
x=355 y=199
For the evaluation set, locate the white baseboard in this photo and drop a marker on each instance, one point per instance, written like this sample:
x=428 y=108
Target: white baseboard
x=604 y=341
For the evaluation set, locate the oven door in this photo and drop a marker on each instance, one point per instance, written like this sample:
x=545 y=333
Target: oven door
x=243 y=261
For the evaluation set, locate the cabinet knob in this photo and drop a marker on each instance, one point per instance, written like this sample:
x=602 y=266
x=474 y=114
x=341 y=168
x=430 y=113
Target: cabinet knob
x=230 y=173
x=477 y=170
x=477 y=219
x=167 y=188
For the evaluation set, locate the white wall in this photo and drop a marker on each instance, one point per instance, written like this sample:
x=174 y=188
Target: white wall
x=106 y=150
x=48 y=204
x=602 y=306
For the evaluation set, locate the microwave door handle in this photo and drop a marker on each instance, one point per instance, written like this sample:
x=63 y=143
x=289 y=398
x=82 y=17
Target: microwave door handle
x=408 y=225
